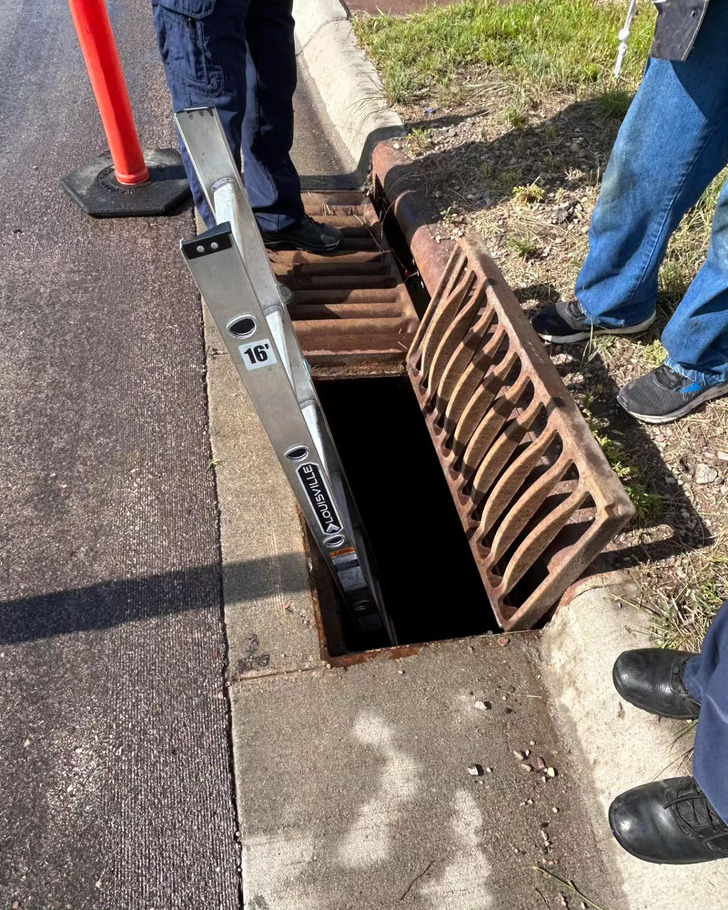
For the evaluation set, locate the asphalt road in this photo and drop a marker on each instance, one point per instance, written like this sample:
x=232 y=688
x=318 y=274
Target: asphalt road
x=115 y=785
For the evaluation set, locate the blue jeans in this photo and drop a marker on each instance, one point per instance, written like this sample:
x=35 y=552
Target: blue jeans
x=238 y=56
x=706 y=679
x=673 y=142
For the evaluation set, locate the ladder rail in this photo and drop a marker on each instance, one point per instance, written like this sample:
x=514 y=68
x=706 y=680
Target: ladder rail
x=236 y=280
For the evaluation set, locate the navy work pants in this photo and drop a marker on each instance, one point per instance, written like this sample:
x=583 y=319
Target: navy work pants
x=706 y=679
x=239 y=57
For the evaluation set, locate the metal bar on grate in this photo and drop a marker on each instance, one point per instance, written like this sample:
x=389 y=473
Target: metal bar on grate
x=351 y=308
x=534 y=491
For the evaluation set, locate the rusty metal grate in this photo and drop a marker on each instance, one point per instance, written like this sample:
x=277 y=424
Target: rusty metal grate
x=536 y=495
x=351 y=307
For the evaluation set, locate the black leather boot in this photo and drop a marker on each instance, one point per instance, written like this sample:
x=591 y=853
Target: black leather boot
x=308 y=235
x=652 y=679
x=669 y=821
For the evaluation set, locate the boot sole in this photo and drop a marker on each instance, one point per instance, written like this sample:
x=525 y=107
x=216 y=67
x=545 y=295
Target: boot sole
x=289 y=245
x=595 y=331
x=708 y=395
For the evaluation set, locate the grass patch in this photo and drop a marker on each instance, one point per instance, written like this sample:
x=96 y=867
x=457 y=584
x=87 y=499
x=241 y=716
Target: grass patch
x=654 y=353
x=681 y=621
x=523 y=247
x=562 y=45
x=649 y=505
x=524 y=195
x=614 y=104
x=516 y=117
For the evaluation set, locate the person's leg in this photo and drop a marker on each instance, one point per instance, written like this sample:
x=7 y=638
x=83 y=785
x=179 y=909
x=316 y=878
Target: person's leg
x=204 y=62
x=696 y=338
x=680 y=820
x=271 y=179
x=673 y=142
x=706 y=678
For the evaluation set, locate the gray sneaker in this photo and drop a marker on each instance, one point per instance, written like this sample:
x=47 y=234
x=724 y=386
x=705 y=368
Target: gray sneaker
x=565 y=323
x=664 y=395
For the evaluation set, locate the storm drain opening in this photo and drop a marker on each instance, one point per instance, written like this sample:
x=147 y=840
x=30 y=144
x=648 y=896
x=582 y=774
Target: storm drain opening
x=430 y=584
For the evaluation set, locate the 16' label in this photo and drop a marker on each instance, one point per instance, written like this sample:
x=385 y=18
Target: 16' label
x=257 y=354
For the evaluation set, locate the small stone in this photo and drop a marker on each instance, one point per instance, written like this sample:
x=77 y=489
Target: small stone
x=524 y=766
x=401 y=672
x=489 y=770
x=475 y=770
x=705 y=474
x=551 y=772
x=722 y=456
x=521 y=756
x=481 y=706
x=555 y=810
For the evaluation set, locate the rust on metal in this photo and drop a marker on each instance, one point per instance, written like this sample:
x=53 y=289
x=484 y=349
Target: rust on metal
x=351 y=308
x=397 y=179
x=535 y=493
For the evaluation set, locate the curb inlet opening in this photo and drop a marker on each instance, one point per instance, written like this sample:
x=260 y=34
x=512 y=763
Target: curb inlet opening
x=430 y=584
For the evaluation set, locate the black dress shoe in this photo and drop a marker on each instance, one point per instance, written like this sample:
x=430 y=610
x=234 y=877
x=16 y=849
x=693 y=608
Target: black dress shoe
x=652 y=679
x=306 y=235
x=669 y=821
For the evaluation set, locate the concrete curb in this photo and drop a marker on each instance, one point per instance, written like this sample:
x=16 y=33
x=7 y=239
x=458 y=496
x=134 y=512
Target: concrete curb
x=346 y=80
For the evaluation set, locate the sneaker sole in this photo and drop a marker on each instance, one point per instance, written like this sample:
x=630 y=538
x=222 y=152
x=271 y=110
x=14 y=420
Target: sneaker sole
x=595 y=331
x=708 y=395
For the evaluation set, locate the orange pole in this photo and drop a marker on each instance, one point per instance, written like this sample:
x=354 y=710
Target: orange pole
x=107 y=80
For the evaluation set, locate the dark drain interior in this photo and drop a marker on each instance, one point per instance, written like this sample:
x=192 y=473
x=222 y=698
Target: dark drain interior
x=430 y=583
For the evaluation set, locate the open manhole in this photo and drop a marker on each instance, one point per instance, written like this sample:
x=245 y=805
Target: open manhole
x=431 y=586
x=482 y=489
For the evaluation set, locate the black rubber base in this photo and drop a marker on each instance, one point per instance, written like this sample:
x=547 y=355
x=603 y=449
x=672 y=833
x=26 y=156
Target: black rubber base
x=97 y=191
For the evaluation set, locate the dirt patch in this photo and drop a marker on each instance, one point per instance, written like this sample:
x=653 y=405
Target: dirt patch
x=523 y=172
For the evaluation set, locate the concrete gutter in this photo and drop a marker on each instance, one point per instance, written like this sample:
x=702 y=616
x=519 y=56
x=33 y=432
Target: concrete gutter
x=347 y=82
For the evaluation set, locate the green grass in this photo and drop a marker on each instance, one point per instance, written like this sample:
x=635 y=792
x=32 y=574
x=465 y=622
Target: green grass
x=649 y=505
x=524 y=195
x=564 y=45
x=654 y=353
x=516 y=116
x=682 y=621
x=523 y=247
